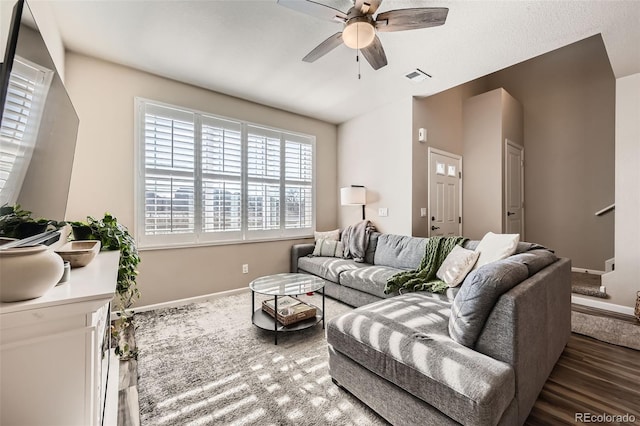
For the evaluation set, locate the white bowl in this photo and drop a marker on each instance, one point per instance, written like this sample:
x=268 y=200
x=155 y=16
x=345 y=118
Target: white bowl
x=79 y=253
x=28 y=272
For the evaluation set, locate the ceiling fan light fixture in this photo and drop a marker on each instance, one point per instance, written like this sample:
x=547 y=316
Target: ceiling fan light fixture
x=359 y=33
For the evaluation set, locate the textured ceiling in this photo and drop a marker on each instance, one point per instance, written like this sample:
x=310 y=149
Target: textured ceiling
x=253 y=49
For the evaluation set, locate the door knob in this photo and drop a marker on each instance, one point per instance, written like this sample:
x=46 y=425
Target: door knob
x=433 y=228
x=510 y=213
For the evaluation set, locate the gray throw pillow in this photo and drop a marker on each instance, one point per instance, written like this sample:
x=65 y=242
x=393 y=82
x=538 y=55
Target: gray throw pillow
x=328 y=248
x=477 y=296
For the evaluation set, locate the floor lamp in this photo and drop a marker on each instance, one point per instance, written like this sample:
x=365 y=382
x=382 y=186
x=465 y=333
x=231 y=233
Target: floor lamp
x=354 y=195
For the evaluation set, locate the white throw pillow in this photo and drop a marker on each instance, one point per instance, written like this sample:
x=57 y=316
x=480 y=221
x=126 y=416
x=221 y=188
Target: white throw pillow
x=328 y=248
x=494 y=247
x=457 y=265
x=327 y=235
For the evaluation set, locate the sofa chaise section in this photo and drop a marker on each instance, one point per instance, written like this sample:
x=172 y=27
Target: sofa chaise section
x=405 y=341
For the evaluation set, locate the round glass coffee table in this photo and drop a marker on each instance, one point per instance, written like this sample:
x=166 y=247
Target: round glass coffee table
x=284 y=285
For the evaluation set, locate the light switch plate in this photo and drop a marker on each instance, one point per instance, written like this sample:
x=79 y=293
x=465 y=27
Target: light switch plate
x=423 y=212
x=383 y=211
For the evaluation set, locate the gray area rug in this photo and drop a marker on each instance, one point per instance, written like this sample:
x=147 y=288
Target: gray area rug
x=206 y=363
x=610 y=330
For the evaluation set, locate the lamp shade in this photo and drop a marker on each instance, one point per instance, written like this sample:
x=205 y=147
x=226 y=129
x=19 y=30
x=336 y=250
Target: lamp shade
x=353 y=195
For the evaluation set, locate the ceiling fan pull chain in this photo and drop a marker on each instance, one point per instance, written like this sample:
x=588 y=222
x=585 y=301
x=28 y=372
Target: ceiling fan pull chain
x=358 y=49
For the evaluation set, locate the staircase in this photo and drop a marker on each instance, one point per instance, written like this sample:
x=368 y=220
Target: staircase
x=587 y=284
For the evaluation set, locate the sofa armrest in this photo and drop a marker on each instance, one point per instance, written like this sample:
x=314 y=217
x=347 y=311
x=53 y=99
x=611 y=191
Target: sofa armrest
x=529 y=328
x=298 y=251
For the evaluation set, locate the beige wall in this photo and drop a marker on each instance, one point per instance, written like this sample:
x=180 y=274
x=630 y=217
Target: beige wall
x=482 y=164
x=569 y=130
x=487 y=120
x=103 y=179
x=441 y=115
x=374 y=150
x=623 y=283
x=568 y=97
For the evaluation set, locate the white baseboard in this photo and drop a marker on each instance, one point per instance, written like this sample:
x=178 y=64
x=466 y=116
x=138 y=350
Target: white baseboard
x=588 y=271
x=182 y=302
x=601 y=305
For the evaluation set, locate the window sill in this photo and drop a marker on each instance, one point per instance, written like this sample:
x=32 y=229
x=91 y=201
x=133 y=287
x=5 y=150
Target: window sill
x=219 y=243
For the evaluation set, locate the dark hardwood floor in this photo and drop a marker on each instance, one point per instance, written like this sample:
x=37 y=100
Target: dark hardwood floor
x=590 y=377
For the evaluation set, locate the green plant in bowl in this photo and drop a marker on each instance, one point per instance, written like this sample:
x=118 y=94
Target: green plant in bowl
x=115 y=236
x=18 y=223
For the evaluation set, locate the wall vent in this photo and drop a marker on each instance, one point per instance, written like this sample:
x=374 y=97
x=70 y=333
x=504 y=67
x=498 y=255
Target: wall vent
x=417 y=75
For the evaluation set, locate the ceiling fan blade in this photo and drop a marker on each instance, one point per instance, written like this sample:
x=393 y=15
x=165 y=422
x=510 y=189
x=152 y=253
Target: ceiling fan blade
x=315 y=9
x=323 y=48
x=374 y=54
x=368 y=7
x=411 y=19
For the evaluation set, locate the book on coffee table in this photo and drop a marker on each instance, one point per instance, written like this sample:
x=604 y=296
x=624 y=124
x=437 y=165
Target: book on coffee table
x=290 y=310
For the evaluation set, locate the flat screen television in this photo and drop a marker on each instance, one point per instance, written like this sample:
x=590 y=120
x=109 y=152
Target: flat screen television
x=39 y=124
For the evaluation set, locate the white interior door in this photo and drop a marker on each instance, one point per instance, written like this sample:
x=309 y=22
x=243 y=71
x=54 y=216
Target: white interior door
x=514 y=189
x=445 y=193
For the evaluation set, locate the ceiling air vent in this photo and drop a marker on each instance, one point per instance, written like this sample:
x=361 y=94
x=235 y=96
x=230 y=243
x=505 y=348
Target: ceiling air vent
x=417 y=75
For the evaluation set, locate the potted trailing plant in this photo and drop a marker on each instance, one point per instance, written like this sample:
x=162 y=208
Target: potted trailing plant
x=18 y=223
x=115 y=236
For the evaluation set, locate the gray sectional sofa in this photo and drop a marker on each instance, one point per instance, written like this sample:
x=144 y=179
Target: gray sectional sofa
x=477 y=355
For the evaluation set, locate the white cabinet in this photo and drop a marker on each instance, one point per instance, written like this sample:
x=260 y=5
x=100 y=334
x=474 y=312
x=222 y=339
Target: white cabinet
x=489 y=119
x=54 y=355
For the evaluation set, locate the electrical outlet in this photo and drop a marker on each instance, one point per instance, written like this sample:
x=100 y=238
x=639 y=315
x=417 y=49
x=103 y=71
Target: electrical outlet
x=383 y=211
x=245 y=268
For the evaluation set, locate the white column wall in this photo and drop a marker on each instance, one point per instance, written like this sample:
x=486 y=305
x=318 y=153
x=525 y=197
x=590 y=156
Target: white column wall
x=623 y=283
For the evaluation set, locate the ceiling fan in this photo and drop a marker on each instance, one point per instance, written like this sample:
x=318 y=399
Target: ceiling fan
x=360 y=27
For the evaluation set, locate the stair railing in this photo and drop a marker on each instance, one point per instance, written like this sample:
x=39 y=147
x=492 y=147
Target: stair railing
x=606 y=209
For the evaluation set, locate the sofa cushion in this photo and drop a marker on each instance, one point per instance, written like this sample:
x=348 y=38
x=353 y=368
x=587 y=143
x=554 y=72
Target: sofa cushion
x=405 y=341
x=328 y=268
x=535 y=260
x=370 y=279
x=495 y=247
x=478 y=295
x=328 y=248
x=522 y=246
x=399 y=251
x=457 y=265
x=371 y=248
x=327 y=235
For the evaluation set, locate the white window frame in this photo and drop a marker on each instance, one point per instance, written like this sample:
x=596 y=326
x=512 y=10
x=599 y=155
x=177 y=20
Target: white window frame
x=200 y=238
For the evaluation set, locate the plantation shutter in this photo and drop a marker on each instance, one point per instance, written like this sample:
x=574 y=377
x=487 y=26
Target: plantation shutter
x=169 y=171
x=263 y=180
x=221 y=178
x=298 y=183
